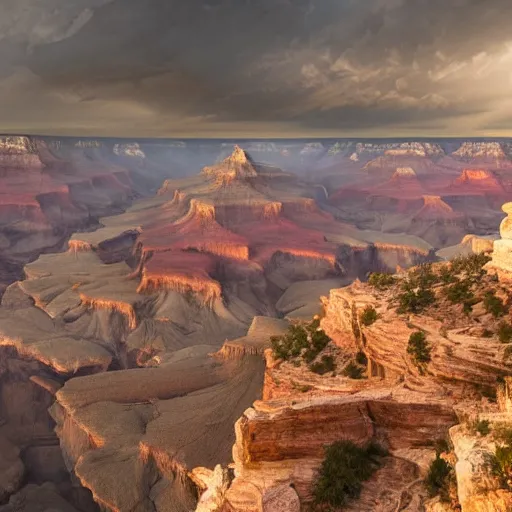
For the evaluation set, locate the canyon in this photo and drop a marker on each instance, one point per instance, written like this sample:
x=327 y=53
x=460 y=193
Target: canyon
x=139 y=297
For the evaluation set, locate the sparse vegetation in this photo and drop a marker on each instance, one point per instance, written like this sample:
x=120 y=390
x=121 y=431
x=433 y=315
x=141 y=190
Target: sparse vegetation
x=324 y=366
x=503 y=467
x=361 y=358
x=369 y=315
x=481 y=427
x=471 y=265
x=344 y=469
x=381 y=281
x=415 y=301
x=422 y=276
x=459 y=292
x=353 y=371
x=418 y=348
x=494 y=305
x=447 y=275
x=305 y=341
x=439 y=479
x=505 y=332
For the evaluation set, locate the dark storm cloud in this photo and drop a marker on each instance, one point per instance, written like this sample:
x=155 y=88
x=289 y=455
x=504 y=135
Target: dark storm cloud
x=164 y=67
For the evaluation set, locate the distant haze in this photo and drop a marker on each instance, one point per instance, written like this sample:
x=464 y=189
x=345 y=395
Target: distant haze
x=256 y=68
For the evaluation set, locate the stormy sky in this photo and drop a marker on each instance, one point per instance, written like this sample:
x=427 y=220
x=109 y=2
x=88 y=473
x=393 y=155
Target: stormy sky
x=256 y=68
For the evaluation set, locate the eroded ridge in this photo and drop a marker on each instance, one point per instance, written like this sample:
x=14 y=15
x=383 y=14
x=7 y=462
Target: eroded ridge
x=126 y=328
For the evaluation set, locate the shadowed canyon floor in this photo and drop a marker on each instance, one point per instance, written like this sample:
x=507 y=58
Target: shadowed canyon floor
x=145 y=337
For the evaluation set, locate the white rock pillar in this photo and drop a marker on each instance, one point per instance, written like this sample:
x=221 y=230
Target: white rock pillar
x=502 y=252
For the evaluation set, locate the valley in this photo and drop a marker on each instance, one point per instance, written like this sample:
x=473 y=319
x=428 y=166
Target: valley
x=142 y=283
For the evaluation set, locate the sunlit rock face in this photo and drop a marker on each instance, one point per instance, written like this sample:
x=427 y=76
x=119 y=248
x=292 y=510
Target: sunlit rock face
x=235 y=166
x=479 y=181
x=130 y=150
x=502 y=253
x=483 y=150
x=404 y=172
x=398 y=149
x=19 y=152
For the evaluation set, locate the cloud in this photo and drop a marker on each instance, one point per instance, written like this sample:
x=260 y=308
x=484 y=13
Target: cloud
x=304 y=66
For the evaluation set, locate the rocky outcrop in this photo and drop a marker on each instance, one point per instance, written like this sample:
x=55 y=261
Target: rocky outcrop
x=280 y=444
x=477 y=487
x=19 y=152
x=481 y=150
x=502 y=251
x=235 y=166
x=131 y=150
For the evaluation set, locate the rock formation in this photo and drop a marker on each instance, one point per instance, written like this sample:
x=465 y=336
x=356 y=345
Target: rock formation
x=502 y=253
x=279 y=441
x=19 y=152
x=481 y=150
x=148 y=339
x=153 y=294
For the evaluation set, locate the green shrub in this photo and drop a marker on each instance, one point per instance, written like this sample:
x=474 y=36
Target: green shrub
x=494 y=305
x=438 y=480
x=381 y=281
x=319 y=340
x=344 y=469
x=472 y=265
x=361 y=358
x=418 y=348
x=324 y=366
x=441 y=446
x=486 y=333
x=459 y=292
x=422 y=276
x=411 y=301
x=505 y=332
x=501 y=464
x=369 y=315
x=447 y=275
x=307 y=341
x=353 y=371
x=481 y=427
x=329 y=364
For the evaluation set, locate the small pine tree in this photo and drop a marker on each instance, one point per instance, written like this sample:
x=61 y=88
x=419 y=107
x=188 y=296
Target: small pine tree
x=438 y=479
x=369 y=315
x=418 y=348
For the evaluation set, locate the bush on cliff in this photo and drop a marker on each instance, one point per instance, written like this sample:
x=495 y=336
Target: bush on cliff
x=447 y=275
x=415 y=301
x=472 y=265
x=439 y=479
x=369 y=315
x=505 y=332
x=306 y=340
x=418 y=348
x=324 y=366
x=494 y=305
x=361 y=358
x=459 y=292
x=422 y=276
x=381 y=281
x=353 y=371
x=345 y=467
